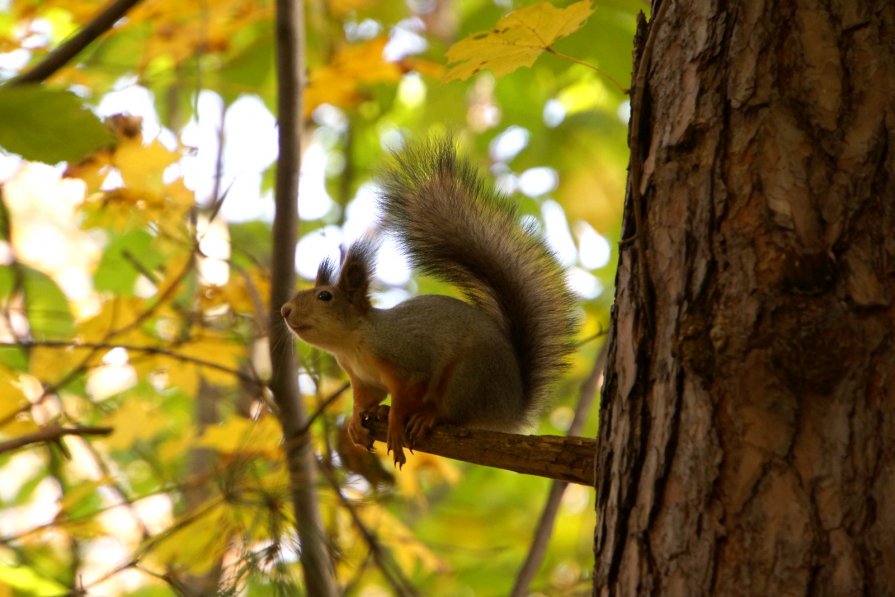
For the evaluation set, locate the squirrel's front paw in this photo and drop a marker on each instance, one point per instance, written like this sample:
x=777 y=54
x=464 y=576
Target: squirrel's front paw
x=359 y=434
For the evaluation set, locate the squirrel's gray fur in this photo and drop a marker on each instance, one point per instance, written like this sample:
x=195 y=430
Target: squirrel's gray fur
x=456 y=227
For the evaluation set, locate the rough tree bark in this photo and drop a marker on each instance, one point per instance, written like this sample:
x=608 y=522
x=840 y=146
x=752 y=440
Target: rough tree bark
x=747 y=438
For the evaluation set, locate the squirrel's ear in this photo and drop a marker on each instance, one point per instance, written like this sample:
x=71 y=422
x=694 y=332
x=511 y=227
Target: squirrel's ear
x=325 y=273
x=356 y=273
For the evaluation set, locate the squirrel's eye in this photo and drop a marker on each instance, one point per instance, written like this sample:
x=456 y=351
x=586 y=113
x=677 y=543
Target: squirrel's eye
x=325 y=295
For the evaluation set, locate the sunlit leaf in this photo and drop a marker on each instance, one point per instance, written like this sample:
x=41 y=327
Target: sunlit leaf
x=81 y=500
x=46 y=306
x=429 y=471
x=115 y=322
x=93 y=169
x=175 y=447
x=408 y=550
x=517 y=40
x=48 y=125
x=50 y=363
x=340 y=82
x=238 y=434
x=15 y=418
x=30 y=582
x=14 y=357
x=243 y=293
x=124 y=259
x=124 y=208
x=142 y=166
x=182 y=375
x=198 y=544
x=135 y=420
x=219 y=350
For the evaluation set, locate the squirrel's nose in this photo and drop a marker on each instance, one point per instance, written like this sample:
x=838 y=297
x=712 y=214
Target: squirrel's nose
x=285 y=310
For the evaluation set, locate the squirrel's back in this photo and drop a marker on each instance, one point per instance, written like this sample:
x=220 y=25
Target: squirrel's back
x=457 y=228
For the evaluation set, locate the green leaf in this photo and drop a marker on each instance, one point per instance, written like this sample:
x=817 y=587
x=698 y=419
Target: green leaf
x=117 y=271
x=30 y=582
x=49 y=125
x=251 y=242
x=251 y=69
x=14 y=358
x=46 y=307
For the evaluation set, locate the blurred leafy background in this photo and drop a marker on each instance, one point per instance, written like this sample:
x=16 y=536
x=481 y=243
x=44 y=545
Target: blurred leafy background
x=134 y=249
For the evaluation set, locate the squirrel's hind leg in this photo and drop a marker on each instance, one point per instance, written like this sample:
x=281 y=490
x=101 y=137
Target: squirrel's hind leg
x=406 y=399
x=427 y=413
x=420 y=423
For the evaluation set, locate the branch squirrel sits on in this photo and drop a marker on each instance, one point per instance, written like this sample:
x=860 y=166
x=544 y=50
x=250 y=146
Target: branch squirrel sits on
x=484 y=363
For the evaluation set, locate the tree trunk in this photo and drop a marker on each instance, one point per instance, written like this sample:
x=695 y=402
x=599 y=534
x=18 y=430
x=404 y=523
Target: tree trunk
x=747 y=435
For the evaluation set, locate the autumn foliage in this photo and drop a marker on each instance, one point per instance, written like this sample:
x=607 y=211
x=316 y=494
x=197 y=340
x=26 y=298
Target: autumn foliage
x=140 y=452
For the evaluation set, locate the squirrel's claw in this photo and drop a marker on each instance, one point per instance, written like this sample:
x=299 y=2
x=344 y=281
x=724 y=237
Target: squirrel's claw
x=395 y=442
x=419 y=425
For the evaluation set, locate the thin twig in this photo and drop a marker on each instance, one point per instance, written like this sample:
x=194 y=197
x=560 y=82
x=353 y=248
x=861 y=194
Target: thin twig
x=50 y=434
x=151 y=543
x=163 y=297
x=154 y=350
x=322 y=408
x=588 y=65
x=115 y=486
x=73 y=46
x=217 y=198
x=127 y=501
x=392 y=573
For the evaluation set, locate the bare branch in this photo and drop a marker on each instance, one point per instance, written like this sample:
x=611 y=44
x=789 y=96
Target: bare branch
x=73 y=46
x=50 y=434
x=390 y=570
x=563 y=458
x=154 y=350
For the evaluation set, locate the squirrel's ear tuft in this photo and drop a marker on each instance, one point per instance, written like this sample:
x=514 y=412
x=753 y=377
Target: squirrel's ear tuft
x=325 y=273
x=357 y=273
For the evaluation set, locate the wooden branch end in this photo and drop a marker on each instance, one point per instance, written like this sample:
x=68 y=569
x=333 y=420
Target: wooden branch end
x=568 y=459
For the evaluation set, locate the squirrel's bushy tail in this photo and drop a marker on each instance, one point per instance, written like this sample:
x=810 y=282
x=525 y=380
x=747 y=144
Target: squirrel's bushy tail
x=457 y=228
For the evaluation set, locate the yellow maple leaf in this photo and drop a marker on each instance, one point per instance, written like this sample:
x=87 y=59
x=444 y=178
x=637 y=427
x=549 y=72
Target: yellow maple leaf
x=93 y=169
x=218 y=350
x=182 y=375
x=50 y=364
x=409 y=551
x=517 y=39
x=241 y=293
x=15 y=418
x=114 y=317
x=197 y=544
x=238 y=434
x=434 y=470
x=341 y=8
x=141 y=166
x=175 y=447
x=135 y=420
x=339 y=83
x=120 y=208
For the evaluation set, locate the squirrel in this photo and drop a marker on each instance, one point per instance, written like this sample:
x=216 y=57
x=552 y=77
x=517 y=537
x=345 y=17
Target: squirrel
x=486 y=362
